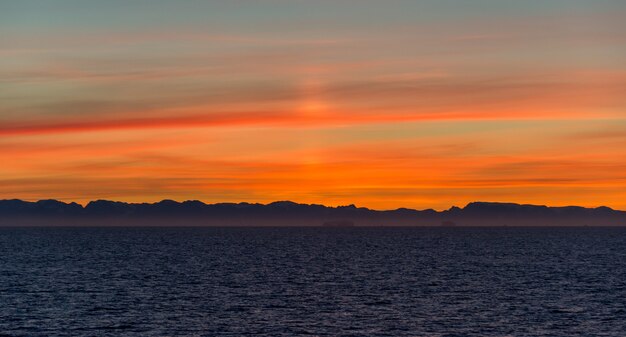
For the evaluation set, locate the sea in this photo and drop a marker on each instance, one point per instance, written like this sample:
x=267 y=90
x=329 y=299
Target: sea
x=357 y=281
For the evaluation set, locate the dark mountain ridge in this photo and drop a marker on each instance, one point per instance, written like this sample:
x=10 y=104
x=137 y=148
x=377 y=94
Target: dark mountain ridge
x=286 y=213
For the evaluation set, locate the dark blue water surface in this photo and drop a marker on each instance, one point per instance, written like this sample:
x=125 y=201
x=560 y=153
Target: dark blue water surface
x=313 y=281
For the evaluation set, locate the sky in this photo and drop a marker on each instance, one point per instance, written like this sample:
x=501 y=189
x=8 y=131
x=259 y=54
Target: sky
x=382 y=104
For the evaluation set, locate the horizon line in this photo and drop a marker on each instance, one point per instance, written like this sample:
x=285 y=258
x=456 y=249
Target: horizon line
x=83 y=205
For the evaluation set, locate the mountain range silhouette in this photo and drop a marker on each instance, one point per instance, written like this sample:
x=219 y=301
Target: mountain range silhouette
x=286 y=213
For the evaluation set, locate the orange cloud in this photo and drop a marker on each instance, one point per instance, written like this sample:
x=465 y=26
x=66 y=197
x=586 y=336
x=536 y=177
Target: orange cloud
x=412 y=112
x=414 y=171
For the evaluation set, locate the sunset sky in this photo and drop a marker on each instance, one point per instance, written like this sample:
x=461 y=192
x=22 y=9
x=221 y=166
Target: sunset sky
x=384 y=104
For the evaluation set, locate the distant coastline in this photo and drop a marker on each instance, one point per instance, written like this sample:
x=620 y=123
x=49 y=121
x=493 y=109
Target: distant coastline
x=17 y=212
x=339 y=223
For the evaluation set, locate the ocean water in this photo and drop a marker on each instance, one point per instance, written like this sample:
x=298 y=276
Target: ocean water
x=313 y=281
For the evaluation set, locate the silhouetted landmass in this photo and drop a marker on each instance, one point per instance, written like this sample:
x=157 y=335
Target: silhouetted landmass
x=287 y=213
x=448 y=223
x=339 y=223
